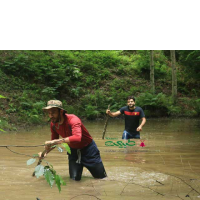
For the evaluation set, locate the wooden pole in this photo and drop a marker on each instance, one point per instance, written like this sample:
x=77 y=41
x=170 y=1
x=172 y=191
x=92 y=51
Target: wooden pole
x=106 y=123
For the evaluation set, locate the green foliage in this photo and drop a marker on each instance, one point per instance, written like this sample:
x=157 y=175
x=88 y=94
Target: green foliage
x=88 y=81
x=175 y=110
x=4 y=124
x=94 y=105
x=146 y=99
x=191 y=106
x=59 y=181
x=161 y=105
x=91 y=112
x=191 y=61
x=154 y=103
x=0 y=120
x=48 y=171
x=31 y=161
x=49 y=176
x=39 y=171
x=197 y=106
x=67 y=147
x=2 y=130
x=1 y=97
x=142 y=64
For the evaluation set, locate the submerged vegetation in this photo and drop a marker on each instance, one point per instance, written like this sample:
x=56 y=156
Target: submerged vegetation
x=88 y=81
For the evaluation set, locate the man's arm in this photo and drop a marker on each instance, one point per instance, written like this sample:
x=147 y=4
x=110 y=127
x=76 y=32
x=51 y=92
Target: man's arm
x=113 y=114
x=51 y=143
x=142 y=124
x=57 y=141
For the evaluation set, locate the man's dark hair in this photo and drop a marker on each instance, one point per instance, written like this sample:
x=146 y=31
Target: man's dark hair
x=63 y=111
x=131 y=97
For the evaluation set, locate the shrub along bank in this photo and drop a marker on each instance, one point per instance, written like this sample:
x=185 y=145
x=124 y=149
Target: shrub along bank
x=87 y=82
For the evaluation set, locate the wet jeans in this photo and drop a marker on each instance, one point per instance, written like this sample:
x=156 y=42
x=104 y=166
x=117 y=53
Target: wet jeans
x=88 y=157
x=126 y=135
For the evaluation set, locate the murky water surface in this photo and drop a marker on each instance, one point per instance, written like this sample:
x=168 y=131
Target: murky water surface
x=163 y=164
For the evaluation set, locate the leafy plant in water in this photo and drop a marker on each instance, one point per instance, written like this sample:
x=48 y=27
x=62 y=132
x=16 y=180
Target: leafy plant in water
x=48 y=171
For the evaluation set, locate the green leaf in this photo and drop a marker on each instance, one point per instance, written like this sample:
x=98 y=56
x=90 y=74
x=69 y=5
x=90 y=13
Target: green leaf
x=57 y=179
x=49 y=177
x=35 y=155
x=67 y=147
x=2 y=130
x=39 y=171
x=59 y=182
x=2 y=97
x=30 y=161
x=62 y=181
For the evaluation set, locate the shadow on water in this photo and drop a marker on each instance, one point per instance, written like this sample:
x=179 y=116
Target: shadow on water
x=165 y=166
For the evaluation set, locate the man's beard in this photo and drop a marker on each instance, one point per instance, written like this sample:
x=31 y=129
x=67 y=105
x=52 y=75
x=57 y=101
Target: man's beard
x=55 y=120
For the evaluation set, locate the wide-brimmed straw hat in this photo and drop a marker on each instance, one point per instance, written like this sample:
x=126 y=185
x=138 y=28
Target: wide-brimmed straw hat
x=54 y=104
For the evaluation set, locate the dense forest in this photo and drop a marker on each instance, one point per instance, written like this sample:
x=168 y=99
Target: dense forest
x=88 y=81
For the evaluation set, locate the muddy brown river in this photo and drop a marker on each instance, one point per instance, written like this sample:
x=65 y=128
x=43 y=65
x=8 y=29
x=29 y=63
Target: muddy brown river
x=163 y=164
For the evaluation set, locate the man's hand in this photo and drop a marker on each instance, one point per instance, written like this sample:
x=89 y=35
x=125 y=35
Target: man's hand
x=48 y=148
x=113 y=114
x=108 y=112
x=40 y=155
x=139 y=128
x=48 y=145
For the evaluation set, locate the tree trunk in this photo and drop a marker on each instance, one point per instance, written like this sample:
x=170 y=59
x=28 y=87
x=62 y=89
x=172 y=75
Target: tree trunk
x=174 y=77
x=152 y=72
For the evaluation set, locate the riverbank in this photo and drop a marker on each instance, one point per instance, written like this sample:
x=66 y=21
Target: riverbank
x=87 y=82
x=16 y=128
